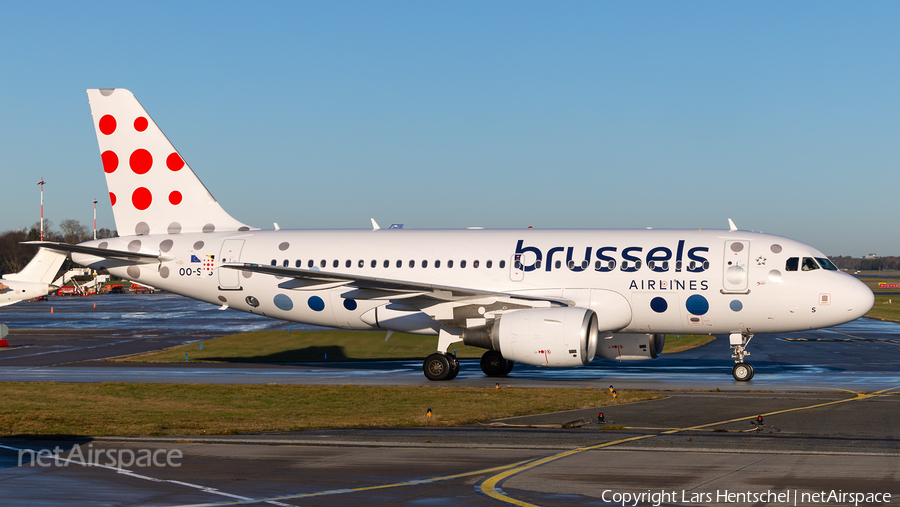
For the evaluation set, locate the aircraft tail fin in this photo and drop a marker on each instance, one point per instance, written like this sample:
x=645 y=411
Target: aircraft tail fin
x=151 y=188
x=42 y=268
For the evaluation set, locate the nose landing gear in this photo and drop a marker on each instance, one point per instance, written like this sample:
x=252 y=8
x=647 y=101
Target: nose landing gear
x=742 y=372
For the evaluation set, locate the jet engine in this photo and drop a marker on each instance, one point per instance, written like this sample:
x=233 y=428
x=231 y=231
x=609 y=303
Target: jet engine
x=541 y=336
x=631 y=347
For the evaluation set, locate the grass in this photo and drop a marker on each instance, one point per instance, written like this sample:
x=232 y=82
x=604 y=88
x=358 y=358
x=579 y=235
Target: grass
x=304 y=346
x=682 y=342
x=885 y=308
x=873 y=284
x=321 y=346
x=116 y=409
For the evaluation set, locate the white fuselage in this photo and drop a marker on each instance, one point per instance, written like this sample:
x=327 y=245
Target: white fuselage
x=12 y=291
x=700 y=282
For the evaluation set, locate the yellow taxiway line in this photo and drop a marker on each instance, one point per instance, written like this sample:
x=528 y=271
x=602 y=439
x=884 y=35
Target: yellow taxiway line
x=490 y=485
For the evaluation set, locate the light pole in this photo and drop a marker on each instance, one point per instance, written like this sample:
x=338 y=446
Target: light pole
x=95 y=218
x=41 y=184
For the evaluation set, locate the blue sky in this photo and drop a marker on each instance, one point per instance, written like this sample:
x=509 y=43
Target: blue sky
x=784 y=116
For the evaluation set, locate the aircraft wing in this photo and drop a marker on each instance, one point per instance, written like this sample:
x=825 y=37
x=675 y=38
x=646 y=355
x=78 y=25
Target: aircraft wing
x=370 y=287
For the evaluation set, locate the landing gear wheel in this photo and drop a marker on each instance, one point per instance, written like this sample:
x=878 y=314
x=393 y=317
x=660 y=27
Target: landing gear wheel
x=454 y=367
x=437 y=367
x=509 y=366
x=493 y=364
x=751 y=370
x=742 y=372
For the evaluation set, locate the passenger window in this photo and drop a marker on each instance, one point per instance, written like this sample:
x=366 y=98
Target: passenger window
x=362 y=263
x=387 y=263
x=412 y=264
x=424 y=264
x=336 y=263
x=792 y=264
x=449 y=264
x=274 y=262
x=323 y=263
x=347 y=264
x=826 y=264
x=502 y=264
x=309 y=264
x=558 y=264
x=399 y=264
x=437 y=264
x=488 y=264
x=286 y=263
x=298 y=263
x=809 y=264
x=475 y=264
x=462 y=264
x=374 y=263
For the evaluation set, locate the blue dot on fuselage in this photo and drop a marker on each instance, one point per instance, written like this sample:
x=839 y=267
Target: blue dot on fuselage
x=659 y=305
x=736 y=305
x=283 y=302
x=697 y=305
x=350 y=304
x=316 y=303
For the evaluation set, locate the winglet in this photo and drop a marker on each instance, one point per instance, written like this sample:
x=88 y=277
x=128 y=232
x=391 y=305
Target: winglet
x=731 y=225
x=374 y=225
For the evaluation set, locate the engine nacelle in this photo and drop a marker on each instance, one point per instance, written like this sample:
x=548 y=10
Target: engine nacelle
x=543 y=336
x=631 y=347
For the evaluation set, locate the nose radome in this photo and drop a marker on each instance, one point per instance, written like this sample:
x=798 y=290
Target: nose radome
x=859 y=297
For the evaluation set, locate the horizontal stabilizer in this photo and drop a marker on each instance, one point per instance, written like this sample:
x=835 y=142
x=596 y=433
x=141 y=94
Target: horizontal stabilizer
x=136 y=257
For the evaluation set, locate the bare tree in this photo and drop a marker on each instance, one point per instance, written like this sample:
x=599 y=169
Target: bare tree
x=73 y=231
x=103 y=232
x=13 y=254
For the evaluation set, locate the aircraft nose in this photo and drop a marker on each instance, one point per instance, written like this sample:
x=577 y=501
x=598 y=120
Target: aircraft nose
x=859 y=298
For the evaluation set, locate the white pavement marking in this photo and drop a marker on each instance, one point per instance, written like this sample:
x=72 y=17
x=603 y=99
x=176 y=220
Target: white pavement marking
x=131 y=473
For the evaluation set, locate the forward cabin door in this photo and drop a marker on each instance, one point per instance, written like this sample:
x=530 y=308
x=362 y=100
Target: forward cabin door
x=736 y=276
x=230 y=279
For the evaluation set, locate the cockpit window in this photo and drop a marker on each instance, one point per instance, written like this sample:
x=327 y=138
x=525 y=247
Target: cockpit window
x=826 y=264
x=792 y=264
x=809 y=264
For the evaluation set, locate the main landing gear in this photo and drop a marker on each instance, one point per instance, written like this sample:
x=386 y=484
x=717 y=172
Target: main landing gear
x=742 y=372
x=441 y=366
x=495 y=365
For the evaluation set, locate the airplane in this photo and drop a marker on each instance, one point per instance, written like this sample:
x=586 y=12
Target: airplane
x=34 y=280
x=555 y=298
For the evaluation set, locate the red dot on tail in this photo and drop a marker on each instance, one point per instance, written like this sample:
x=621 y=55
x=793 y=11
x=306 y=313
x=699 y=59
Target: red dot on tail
x=140 y=124
x=112 y=198
x=141 y=161
x=141 y=198
x=175 y=197
x=107 y=124
x=174 y=162
x=110 y=161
